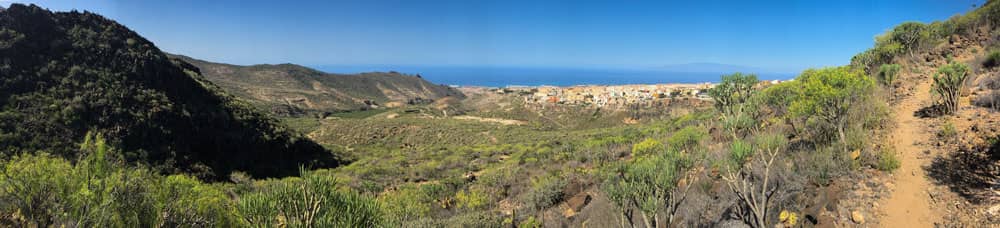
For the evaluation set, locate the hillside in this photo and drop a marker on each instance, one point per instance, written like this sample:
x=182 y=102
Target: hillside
x=289 y=90
x=69 y=73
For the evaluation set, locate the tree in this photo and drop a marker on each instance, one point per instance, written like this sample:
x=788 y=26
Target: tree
x=827 y=95
x=948 y=84
x=734 y=89
x=653 y=184
x=887 y=74
x=754 y=188
x=908 y=34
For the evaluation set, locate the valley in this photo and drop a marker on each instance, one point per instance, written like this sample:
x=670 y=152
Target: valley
x=100 y=128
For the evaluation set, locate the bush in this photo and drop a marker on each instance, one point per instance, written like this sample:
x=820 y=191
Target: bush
x=887 y=74
x=100 y=191
x=948 y=130
x=647 y=147
x=828 y=95
x=948 y=85
x=740 y=152
x=888 y=161
x=308 y=201
x=545 y=191
x=687 y=139
x=989 y=100
x=992 y=59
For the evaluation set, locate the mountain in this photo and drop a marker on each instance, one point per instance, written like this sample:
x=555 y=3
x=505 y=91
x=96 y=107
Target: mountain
x=65 y=74
x=289 y=89
x=714 y=68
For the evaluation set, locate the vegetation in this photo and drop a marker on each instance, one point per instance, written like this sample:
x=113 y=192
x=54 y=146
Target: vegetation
x=992 y=59
x=733 y=90
x=167 y=134
x=949 y=82
x=828 y=95
x=315 y=93
x=887 y=74
x=66 y=74
x=102 y=191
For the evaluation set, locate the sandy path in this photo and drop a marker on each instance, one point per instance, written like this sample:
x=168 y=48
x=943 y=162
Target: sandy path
x=909 y=206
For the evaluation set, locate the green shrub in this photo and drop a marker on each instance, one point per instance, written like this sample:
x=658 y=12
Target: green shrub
x=992 y=59
x=828 y=95
x=308 y=201
x=948 y=130
x=545 y=191
x=687 y=139
x=740 y=152
x=888 y=161
x=948 y=85
x=887 y=74
x=100 y=191
x=647 y=147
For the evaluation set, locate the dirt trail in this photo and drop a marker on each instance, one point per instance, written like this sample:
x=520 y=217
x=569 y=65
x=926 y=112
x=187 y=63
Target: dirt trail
x=910 y=206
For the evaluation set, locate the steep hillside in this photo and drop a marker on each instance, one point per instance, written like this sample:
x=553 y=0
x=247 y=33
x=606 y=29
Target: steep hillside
x=288 y=89
x=68 y=73
x=949 y=166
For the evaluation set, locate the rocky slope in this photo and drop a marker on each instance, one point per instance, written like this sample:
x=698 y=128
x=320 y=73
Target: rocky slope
x=65 y=74
x=288 y=89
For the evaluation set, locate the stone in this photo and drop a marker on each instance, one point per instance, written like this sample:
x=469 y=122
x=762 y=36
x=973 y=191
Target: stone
x=857 y=217
x=994 y=211
x=577 y=202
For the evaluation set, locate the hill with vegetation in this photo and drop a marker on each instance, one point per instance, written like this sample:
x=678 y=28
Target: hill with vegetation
x=906 y=135
x=293 y=90
x=66 y=74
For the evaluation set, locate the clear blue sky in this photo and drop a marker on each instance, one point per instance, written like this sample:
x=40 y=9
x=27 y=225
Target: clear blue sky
x=787 y=35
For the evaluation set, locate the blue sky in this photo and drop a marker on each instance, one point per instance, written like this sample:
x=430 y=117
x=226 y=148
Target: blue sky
x=784 y=35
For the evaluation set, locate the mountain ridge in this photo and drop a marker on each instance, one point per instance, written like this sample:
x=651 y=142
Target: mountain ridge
x=67 y=74
x=290 y=90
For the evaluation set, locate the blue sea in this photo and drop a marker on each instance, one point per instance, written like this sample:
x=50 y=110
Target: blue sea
x=532 y=76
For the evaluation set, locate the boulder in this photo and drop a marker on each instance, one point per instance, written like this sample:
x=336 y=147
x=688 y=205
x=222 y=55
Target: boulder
x=857 y=217
x=577 y=202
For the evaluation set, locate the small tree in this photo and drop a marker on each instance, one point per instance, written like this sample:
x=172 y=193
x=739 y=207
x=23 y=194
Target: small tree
x=908 y=34
x=654 y=184
x=755 y=189
x=948 y=84
x=734 y=89
x=887 y=74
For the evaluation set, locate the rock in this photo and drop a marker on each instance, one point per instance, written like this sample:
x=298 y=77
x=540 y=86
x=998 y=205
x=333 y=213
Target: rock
x=392 y=116
x=857 y=217
x=578 y=201
x=994 y=211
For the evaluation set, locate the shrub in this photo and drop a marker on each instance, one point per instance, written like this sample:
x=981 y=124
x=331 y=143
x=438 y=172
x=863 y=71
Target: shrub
x=740 y=152
x=100 y=191
x=686 y=139
x=887 y=74
x=992 y=59
x=989 y=100
x=649 y=184
x=829 y=94
x=948 y=85
x=948 y=130
x=888 y=161
x=308 y=201
x=546 y=190
x=647 y=147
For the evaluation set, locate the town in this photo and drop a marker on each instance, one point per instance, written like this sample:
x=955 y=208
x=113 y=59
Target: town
x=612 y=95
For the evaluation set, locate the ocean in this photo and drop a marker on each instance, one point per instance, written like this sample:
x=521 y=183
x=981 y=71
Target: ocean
x=529 y=76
